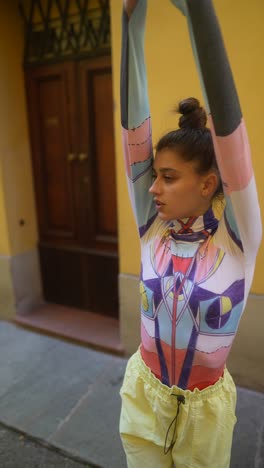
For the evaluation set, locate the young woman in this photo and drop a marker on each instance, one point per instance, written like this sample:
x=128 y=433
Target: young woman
x=178 y=399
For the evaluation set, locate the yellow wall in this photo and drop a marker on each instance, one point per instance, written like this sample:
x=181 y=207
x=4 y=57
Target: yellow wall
x=16 y=192
x=172 y=76
x=4 y=237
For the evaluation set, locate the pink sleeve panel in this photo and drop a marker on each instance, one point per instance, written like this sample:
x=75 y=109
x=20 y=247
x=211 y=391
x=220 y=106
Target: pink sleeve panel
x=137 y=145
x=233 y=158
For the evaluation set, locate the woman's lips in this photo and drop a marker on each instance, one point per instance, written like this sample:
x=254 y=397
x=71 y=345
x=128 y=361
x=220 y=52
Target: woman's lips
x=159 y=204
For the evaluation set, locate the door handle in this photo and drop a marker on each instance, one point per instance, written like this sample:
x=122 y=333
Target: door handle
x=72 y=157
x=83 y=157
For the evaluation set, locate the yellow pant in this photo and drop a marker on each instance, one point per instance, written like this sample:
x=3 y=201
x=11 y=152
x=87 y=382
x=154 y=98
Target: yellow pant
x=200 y=436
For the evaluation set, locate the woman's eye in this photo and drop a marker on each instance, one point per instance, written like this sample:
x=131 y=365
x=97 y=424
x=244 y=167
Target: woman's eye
x=168 y=178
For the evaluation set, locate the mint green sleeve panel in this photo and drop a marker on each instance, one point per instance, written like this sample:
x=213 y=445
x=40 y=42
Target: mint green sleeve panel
x=135 y=117
x=138 y=107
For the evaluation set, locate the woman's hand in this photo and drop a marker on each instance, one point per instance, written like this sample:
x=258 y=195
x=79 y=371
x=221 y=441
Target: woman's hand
x=181 y=5
x=129 y=6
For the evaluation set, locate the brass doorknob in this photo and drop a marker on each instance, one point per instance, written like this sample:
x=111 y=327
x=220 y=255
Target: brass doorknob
x=83 y=157
x=72 y=157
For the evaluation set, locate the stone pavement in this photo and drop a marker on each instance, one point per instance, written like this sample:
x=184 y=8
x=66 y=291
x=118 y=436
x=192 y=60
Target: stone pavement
x=68 y=396
x=19 y=451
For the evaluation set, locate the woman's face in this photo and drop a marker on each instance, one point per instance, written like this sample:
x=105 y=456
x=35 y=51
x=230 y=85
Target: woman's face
x=178 y=190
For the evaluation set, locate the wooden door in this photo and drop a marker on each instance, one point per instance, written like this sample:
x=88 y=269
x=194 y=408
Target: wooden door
x=74 y=172
x=96 y=143
x=97 y=177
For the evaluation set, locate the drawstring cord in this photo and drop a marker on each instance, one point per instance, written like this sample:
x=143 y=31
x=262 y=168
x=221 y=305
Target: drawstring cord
x=180 y=400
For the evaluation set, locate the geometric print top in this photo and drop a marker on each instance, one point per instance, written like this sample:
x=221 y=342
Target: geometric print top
x=195 y=273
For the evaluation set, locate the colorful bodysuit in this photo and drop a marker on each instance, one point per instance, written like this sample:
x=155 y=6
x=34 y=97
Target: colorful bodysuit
x=196 y=273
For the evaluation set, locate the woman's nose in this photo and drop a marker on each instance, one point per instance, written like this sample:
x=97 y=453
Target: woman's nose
x=154 y=188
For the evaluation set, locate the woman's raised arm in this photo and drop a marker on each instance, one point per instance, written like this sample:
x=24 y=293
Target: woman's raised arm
x=241 y=219
x=135 y=113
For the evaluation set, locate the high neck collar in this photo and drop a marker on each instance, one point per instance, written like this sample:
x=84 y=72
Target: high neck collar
x=195 y=228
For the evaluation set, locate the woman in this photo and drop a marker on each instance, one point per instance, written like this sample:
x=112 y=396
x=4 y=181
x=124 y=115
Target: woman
x=178 y=399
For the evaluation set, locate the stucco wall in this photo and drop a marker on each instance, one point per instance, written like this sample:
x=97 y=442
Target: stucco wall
x=18 y=231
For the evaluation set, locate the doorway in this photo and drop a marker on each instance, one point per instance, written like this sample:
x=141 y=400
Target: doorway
x=70 y=108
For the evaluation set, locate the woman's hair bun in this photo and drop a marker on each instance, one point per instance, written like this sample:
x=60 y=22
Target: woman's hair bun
x=193 y=115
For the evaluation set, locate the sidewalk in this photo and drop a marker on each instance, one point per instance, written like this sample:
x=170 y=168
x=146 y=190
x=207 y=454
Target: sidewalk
x=20 y=451
x=68 y=396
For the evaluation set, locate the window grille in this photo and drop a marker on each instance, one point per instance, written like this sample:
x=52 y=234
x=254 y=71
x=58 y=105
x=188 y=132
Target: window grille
x=60 y=29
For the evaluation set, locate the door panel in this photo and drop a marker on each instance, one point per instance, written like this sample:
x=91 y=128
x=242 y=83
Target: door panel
x=50 y=118
x=104 y=154
x=97 y=141
x=79 y=278
x=62 y=276
x=103 y=279
x=56 y=171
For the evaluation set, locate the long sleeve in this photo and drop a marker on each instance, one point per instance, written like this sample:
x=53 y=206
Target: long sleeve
x=135 y=115
x=241 y=222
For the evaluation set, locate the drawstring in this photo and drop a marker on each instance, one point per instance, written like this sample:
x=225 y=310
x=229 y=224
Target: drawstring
x=180 y=400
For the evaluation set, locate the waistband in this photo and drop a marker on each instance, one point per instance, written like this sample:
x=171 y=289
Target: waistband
x=163 y=391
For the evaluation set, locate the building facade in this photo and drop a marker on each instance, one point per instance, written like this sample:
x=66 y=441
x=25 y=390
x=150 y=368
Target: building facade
x=171 y=76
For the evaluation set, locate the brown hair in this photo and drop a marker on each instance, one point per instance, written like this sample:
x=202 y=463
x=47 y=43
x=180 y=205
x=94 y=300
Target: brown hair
x=193 y=140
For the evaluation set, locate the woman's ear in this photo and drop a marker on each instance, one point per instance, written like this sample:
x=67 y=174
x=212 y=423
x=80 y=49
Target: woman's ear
x=209 y=185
